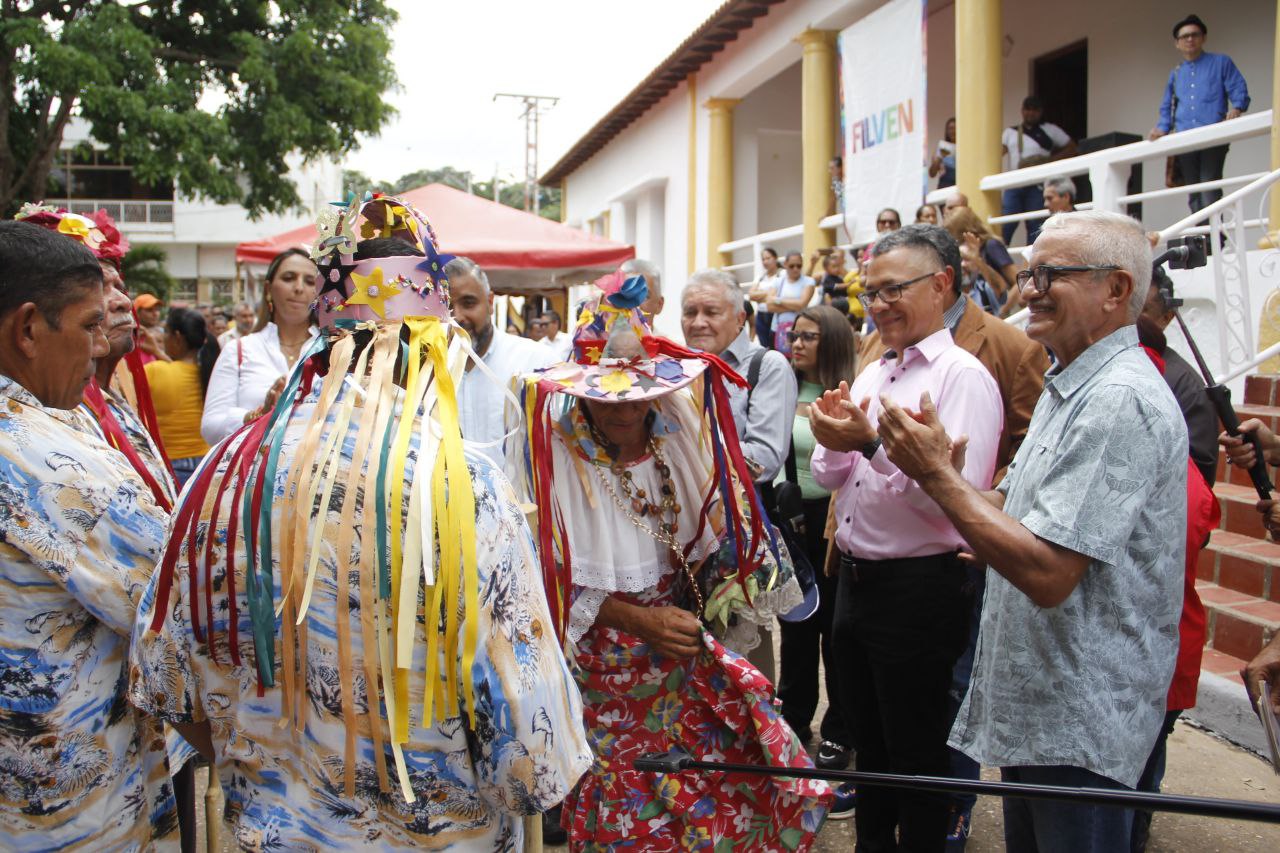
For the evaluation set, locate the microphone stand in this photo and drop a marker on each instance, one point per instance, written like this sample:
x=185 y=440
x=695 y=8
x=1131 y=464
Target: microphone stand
x=1219 y=395
x=677 y=760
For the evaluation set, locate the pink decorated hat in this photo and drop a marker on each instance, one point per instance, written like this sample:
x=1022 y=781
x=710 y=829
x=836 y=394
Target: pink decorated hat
x=616 y=356
x=379 y=290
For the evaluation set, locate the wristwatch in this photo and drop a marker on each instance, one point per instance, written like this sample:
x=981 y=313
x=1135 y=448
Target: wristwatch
x=869 y=449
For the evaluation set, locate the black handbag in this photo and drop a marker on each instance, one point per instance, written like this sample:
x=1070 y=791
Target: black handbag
x=786 y=511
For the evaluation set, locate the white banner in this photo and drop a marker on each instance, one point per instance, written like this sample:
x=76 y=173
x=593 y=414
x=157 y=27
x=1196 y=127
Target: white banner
x=882 y=82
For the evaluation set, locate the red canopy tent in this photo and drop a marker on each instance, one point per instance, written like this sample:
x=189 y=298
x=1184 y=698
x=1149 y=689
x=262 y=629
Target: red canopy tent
x=521 y=253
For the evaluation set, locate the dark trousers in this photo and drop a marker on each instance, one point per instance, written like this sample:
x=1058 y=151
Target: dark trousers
x=1022 y=200
x=899 y=627
x=764 y=329
x=962 y=766
x=1200 y=166
x=803 y=641
x=1051 y=826
x=1149 y=781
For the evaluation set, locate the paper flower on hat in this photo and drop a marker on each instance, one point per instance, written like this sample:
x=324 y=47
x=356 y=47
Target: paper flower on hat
x=623 y=291
x=371 y=290
x=98 y=234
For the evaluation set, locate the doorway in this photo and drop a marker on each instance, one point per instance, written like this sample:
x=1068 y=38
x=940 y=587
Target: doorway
x=1061 y=79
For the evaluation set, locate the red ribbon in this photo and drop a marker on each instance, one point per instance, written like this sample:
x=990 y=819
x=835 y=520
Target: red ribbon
x=142 y=393
x=118 y=439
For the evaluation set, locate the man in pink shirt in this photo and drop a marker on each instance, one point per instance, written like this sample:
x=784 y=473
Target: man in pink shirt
x=901 y=612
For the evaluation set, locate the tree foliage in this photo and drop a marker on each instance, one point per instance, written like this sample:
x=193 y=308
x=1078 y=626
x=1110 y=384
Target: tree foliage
x=510 y=194
x=144 y=271
x=212 y=94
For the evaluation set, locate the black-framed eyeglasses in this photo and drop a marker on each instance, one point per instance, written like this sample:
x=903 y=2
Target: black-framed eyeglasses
x=1043 y=275
x=893 y=222
x=1185 y=36
x=891 y=293
x=807 y=337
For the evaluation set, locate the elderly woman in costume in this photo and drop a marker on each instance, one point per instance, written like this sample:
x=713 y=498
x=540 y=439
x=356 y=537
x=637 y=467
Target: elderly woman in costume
x=349 y=602
x=656 y=558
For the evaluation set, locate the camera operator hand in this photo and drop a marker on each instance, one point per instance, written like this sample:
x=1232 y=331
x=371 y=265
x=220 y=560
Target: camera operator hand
x=1240 y=451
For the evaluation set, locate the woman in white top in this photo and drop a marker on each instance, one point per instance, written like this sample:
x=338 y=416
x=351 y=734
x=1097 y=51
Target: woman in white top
x=251 y=371
x=793 y=295
x=763 y=289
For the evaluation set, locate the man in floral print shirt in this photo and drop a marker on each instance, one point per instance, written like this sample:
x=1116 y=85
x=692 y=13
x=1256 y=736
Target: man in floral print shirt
x=79 y=537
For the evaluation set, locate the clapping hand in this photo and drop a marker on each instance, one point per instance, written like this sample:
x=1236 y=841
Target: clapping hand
x=838 y=424
x=917 y=442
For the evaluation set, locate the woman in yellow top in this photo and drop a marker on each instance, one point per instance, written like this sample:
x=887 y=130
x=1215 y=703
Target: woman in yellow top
x=178 y=387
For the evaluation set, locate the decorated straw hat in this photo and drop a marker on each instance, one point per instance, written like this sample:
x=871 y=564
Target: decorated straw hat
x=378 y=290
x=616 y=356
x=98 y=233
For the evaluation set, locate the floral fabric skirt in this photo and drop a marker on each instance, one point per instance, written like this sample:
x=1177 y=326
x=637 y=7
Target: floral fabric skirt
x=717 y=707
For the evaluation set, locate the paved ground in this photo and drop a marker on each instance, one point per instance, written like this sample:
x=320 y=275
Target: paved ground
x=1198 y=763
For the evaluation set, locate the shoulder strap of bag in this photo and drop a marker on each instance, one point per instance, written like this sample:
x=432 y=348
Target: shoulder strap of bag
x=792 y=476
x=753 y=371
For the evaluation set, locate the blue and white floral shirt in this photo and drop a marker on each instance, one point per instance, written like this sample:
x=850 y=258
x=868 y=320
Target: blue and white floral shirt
x=79 y=539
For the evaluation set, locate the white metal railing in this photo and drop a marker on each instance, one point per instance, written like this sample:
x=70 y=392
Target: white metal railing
x=123 y=211
x=1108 y=172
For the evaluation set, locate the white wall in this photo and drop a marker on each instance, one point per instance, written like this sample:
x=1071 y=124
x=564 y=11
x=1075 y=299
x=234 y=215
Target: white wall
x=1131 y=53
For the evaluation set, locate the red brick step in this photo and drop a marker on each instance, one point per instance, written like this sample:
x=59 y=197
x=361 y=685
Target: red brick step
x=1239 y=624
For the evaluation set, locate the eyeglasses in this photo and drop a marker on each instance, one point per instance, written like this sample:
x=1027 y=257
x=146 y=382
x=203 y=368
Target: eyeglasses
x=891 y=293
x=1042 y=276
x=1186 y=36
x=892 y=222
x=807 y=337
x=794 y=266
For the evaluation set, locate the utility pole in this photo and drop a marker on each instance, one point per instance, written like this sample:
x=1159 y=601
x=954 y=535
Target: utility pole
x=532 y=109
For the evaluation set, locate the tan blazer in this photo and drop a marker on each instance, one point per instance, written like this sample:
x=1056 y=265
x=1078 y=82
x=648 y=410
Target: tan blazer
x=1018 y=365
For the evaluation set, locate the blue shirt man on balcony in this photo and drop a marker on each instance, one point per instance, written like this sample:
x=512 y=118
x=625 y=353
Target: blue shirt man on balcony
x=1203 y=89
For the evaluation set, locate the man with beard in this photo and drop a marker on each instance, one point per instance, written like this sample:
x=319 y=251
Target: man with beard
x=482 y=397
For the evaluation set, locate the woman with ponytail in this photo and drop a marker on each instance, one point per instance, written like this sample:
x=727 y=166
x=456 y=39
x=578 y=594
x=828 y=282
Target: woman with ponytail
x=178 y=388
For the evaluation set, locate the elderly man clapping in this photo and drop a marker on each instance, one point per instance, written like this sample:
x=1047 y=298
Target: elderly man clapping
x=1083 y=538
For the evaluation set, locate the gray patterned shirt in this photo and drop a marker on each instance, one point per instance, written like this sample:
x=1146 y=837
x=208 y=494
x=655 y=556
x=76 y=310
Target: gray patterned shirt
x=1103 y=473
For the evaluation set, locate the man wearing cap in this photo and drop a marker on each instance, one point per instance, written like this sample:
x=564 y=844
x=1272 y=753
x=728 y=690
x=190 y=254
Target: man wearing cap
x=1030 y=143
x=412 y=692
x=902 y=608
x=151 y=337
x=81 y=536
x=1204 y=88
x=484 y=397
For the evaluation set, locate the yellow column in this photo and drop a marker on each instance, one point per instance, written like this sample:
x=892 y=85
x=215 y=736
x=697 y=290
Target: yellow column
x=720 y=180
x=819 y=112
x=979 y=96
x=692 y=248
x=1273 y=227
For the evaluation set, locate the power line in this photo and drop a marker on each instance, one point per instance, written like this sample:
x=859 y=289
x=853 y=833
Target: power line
x=532 y=109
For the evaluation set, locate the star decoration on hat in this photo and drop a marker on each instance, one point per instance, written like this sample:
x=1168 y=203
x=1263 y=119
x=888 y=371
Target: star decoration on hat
x=371 y=290
x=333 y=273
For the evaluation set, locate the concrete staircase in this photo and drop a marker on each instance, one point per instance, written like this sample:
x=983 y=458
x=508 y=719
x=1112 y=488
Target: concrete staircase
x=1239 y=572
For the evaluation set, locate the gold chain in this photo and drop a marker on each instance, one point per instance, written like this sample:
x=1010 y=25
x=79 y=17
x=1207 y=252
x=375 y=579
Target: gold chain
x=660 y=534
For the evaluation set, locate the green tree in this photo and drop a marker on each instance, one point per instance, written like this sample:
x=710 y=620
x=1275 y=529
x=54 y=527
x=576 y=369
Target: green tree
x=144 y=271
x=212 y=94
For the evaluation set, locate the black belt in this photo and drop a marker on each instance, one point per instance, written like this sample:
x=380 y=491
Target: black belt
x=862 y=570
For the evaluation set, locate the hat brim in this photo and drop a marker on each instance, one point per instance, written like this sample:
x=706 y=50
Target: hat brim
x=623 y=383
x=805 y=608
